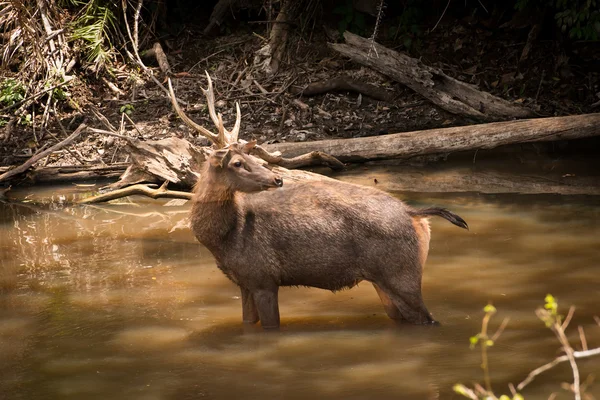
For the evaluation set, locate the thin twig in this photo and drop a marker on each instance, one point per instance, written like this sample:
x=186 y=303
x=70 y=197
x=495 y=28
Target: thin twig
x=134 y=125
x=500 y=329
x=539 y=86
x=584 y=345
x=109 y=133
x=556 y=361
x=568 y=319
x=569 y=350
x=205 y=59
x=442 y=16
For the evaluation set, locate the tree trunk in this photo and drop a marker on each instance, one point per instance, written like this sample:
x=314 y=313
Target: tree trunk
x=448 y=93
x=448 y=140
x=72 y=173
x=270 y=55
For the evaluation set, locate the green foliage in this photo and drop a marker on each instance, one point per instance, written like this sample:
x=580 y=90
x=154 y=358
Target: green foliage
x=127 y=109
x=11 y=92
x=554 y=321
x=26 y=120
x=94 y=26
x=549 y=315
x=351 y=19
x=484 y=341
x=579 y=18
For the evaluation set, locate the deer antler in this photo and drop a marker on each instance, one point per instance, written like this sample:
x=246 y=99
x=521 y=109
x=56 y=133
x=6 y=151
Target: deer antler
x=224 y=138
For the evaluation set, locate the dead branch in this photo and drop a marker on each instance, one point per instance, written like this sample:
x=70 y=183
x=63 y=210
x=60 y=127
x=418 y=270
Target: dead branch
x=304 y=160
x=145 y=190
x=345 y=83
x=444 y=91
x=161 y=58
x=556 y=361
x=35 y=158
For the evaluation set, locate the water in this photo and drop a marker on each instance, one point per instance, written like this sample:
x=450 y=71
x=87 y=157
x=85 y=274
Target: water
x=105 y=302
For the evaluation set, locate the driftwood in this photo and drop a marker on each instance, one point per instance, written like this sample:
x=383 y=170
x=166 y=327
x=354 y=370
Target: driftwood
x=172 y=159
x=35 y=158
x=449 y=140
x=446 y=92
x=145 y=190
x=345 y=83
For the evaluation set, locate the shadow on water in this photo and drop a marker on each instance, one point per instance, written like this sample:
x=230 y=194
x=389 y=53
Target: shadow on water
x=116 y=301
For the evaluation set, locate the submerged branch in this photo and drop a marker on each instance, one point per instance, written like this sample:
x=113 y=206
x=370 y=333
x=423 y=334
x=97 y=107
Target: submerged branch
x=145 y=190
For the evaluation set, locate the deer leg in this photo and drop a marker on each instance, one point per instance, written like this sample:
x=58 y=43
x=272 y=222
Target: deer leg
x=267 y=303
x=407 y=300
x=391 y=310
x=249 y=312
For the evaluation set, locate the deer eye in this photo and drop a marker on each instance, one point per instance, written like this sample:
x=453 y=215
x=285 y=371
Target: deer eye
x=237 y=164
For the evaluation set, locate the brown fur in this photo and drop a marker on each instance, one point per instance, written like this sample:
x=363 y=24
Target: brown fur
x=423 y=231
x=329 y=235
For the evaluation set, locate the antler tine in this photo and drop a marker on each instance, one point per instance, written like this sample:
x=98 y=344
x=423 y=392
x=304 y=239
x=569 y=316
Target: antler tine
x=210 y=100
x=238 y=119
x=198 y=128
x=222 y=137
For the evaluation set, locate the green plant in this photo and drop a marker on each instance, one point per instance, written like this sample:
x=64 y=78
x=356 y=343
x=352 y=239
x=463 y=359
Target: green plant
x=579 y=18
x=557 y=324
x=94 y=26
x=127 y=109
x=11 y=91
x=25 y=120
x=485 y=341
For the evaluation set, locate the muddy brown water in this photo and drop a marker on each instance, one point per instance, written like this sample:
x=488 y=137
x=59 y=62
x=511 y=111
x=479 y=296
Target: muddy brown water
x=117 y=302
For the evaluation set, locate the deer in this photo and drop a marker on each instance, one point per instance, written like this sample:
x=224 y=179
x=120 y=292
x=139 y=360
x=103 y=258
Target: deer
x=326 y=234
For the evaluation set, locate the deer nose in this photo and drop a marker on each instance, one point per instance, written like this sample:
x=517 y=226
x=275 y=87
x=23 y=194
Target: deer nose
x=278 y=182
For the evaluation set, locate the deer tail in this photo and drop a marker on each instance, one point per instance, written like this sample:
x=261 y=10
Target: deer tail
x=440 y=212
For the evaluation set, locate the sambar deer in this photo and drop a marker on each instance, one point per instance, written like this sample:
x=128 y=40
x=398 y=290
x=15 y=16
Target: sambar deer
x=326 y=234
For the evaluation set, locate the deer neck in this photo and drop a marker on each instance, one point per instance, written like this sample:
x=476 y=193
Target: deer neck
x=214 y=214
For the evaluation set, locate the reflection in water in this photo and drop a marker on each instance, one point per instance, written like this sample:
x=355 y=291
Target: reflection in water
x=100 y=302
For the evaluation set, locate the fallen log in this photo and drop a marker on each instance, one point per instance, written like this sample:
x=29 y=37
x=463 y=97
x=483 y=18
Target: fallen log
x=442 y=90
x=71 y=173
x=448 y=140
x=345 y=83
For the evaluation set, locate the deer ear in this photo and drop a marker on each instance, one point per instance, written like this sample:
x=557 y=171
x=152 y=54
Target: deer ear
x=219 y=157
x=249 y=146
